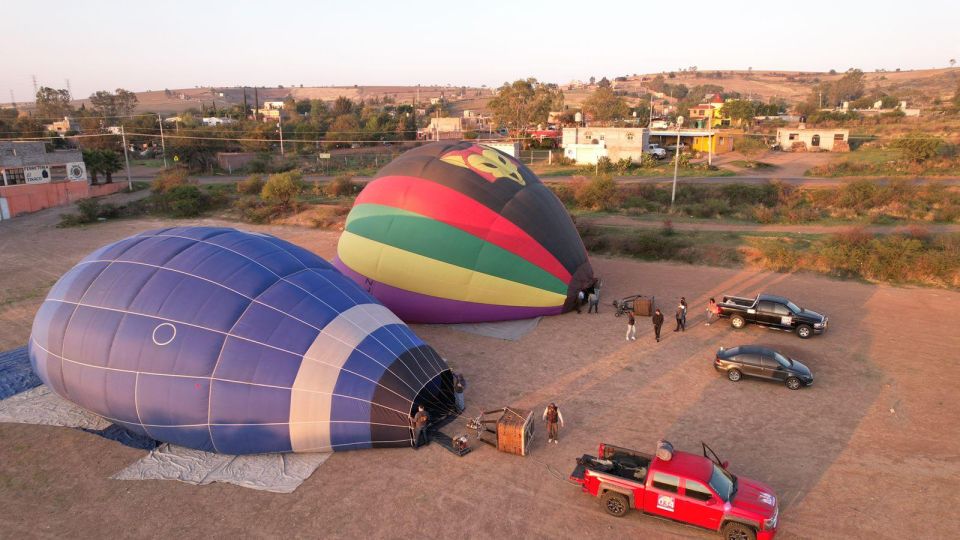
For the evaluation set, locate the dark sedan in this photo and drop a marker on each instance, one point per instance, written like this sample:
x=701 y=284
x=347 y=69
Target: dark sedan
x=762 y=363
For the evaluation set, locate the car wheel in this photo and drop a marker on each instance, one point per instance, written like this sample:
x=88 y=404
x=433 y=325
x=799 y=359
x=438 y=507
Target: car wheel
x=804 y=331
x=737 y=322
x=734 y=375
x=738 y=531
x=614 y=503
x=793 y=383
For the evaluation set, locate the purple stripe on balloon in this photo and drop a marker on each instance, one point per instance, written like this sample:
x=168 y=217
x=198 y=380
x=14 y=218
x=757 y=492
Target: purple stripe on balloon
x=414 y=307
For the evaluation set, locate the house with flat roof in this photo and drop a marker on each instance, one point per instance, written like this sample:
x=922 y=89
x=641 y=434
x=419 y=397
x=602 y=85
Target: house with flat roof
x=618 y=142
x=31 y=178
x=803 y=139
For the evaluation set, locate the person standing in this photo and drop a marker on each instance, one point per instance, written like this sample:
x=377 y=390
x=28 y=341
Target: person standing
x=631 y=326
x=681 y=316
x=594 y=301
x=554 y=420
x=713 y=311
x=579 y=300
x=458 y=386
x=657 y=323
x=420 y=421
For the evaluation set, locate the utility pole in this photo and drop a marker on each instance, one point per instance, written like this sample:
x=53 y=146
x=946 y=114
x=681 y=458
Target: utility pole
x=256 y=104
x=163 y=144
x=280 y=127
x=676 y=164
x=126 y=157
x=35 y=89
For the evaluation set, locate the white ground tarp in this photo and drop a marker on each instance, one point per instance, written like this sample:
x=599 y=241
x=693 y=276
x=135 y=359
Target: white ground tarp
x=279 y=473
x=508 y=330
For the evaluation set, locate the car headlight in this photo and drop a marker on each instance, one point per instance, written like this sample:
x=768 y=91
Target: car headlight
x=819 y=325
x=772 y=522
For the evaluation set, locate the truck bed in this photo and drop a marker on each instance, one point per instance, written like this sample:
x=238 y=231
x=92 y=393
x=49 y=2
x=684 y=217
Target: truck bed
x=626 y=464
x=738 y=301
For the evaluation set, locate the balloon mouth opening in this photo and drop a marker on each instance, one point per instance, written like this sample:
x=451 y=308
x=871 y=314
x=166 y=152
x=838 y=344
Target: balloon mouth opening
x=437 y=397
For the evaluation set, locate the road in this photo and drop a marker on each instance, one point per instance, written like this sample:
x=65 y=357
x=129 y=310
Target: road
x=626 y=221
x=147 y=173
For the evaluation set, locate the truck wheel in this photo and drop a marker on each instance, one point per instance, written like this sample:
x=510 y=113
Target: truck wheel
x=738 y=531
x=614 y=503
x=804 y=331
x=737 y=322
x=734 y=375
x=793 y=383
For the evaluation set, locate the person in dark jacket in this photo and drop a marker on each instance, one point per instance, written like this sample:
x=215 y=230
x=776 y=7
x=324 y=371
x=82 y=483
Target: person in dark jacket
x=681 y=316
x=458 y=385
x=420 y=421
x=657 y=323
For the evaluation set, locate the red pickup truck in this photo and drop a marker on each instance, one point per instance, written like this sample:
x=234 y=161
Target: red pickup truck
x=684 y=487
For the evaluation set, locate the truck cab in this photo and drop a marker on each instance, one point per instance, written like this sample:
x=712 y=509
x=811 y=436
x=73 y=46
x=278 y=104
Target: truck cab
x=656 y=151
x=689 y=488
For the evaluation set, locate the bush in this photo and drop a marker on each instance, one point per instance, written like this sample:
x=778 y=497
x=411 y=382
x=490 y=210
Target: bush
x=599 y=193
x=918 y=146
x=260 y=164
x=168 y=179
x=89 y=211
x=604 y=165
x=341 y=186
x=183 y=201
x=252 y=185
x=749 y=145
x=282 y=189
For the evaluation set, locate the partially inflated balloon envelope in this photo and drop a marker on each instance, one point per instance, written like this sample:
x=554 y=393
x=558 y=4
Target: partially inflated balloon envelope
x=235 y=342
x=461 y=232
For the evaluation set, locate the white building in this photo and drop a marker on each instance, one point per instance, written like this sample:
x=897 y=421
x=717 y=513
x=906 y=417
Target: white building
x=617 y=142
x=802 y=139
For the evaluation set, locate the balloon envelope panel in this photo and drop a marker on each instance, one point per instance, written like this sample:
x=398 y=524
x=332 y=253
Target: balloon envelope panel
x=235 y=342
x=460 y=232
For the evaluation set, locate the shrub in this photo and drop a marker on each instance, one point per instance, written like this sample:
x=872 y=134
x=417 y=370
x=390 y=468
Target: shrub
x=599 y=193
x=565 y=193
x=282 y=188
x=167 y=179
x=341 y=186
x=252 y=185
x=604 y=165
x=749 y=145
x=918 y=146
x=89 y=211
x=260 y=164
x=183 y=201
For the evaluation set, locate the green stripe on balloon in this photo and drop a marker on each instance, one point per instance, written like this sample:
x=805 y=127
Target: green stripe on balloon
x=430 y=238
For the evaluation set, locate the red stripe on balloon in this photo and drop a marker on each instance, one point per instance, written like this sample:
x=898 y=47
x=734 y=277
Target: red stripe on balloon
x=449 y=206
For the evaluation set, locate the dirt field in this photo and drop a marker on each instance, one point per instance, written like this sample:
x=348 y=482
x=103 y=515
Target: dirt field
x=870 y=451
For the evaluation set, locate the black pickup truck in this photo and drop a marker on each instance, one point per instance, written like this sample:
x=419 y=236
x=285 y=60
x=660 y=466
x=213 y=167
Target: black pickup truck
x=774 y=312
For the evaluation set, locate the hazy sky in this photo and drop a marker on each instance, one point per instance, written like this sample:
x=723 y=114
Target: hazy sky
x=143 y=45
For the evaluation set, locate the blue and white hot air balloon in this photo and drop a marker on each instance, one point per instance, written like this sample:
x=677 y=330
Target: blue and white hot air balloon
x=234 y=342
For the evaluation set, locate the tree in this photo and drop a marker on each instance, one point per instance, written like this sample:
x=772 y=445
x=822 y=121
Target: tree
x=953 y=62
x=93 y=159
x=53 y=103
x=343 y=129
x=342 y=106
x=106 y=104
x=523 y=102
x=741 y=110
x=847 y=88
x=593 y=80
x=605 y=106
x=604 y=83
x=109 y=164
x=918 y=146
x=282 y=188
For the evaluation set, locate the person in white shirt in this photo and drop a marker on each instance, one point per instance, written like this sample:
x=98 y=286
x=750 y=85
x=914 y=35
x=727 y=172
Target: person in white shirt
x=554 y=420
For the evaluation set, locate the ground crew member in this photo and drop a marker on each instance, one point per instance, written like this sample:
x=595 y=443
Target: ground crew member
x=458 y=391
x=631 y=326
x=420 y=421
x=554 y=422
x=657 y=323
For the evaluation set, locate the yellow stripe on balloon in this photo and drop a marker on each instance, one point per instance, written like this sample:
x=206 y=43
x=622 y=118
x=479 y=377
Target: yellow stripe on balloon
x=412 y=272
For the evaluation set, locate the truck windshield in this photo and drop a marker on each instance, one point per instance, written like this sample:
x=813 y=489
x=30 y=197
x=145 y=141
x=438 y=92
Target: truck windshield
x=722 y=483
x=793 y=307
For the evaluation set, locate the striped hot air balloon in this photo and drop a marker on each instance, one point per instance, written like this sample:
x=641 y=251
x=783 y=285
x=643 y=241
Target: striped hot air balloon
x=235 y=342
x=461 y=232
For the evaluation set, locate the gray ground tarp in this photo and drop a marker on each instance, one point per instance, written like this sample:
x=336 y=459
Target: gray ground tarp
x=279 y=473
x=16 y=374
x=509 y=330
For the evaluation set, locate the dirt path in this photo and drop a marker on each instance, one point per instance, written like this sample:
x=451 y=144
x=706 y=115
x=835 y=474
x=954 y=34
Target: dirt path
x=626 y=221
x=870 y=451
